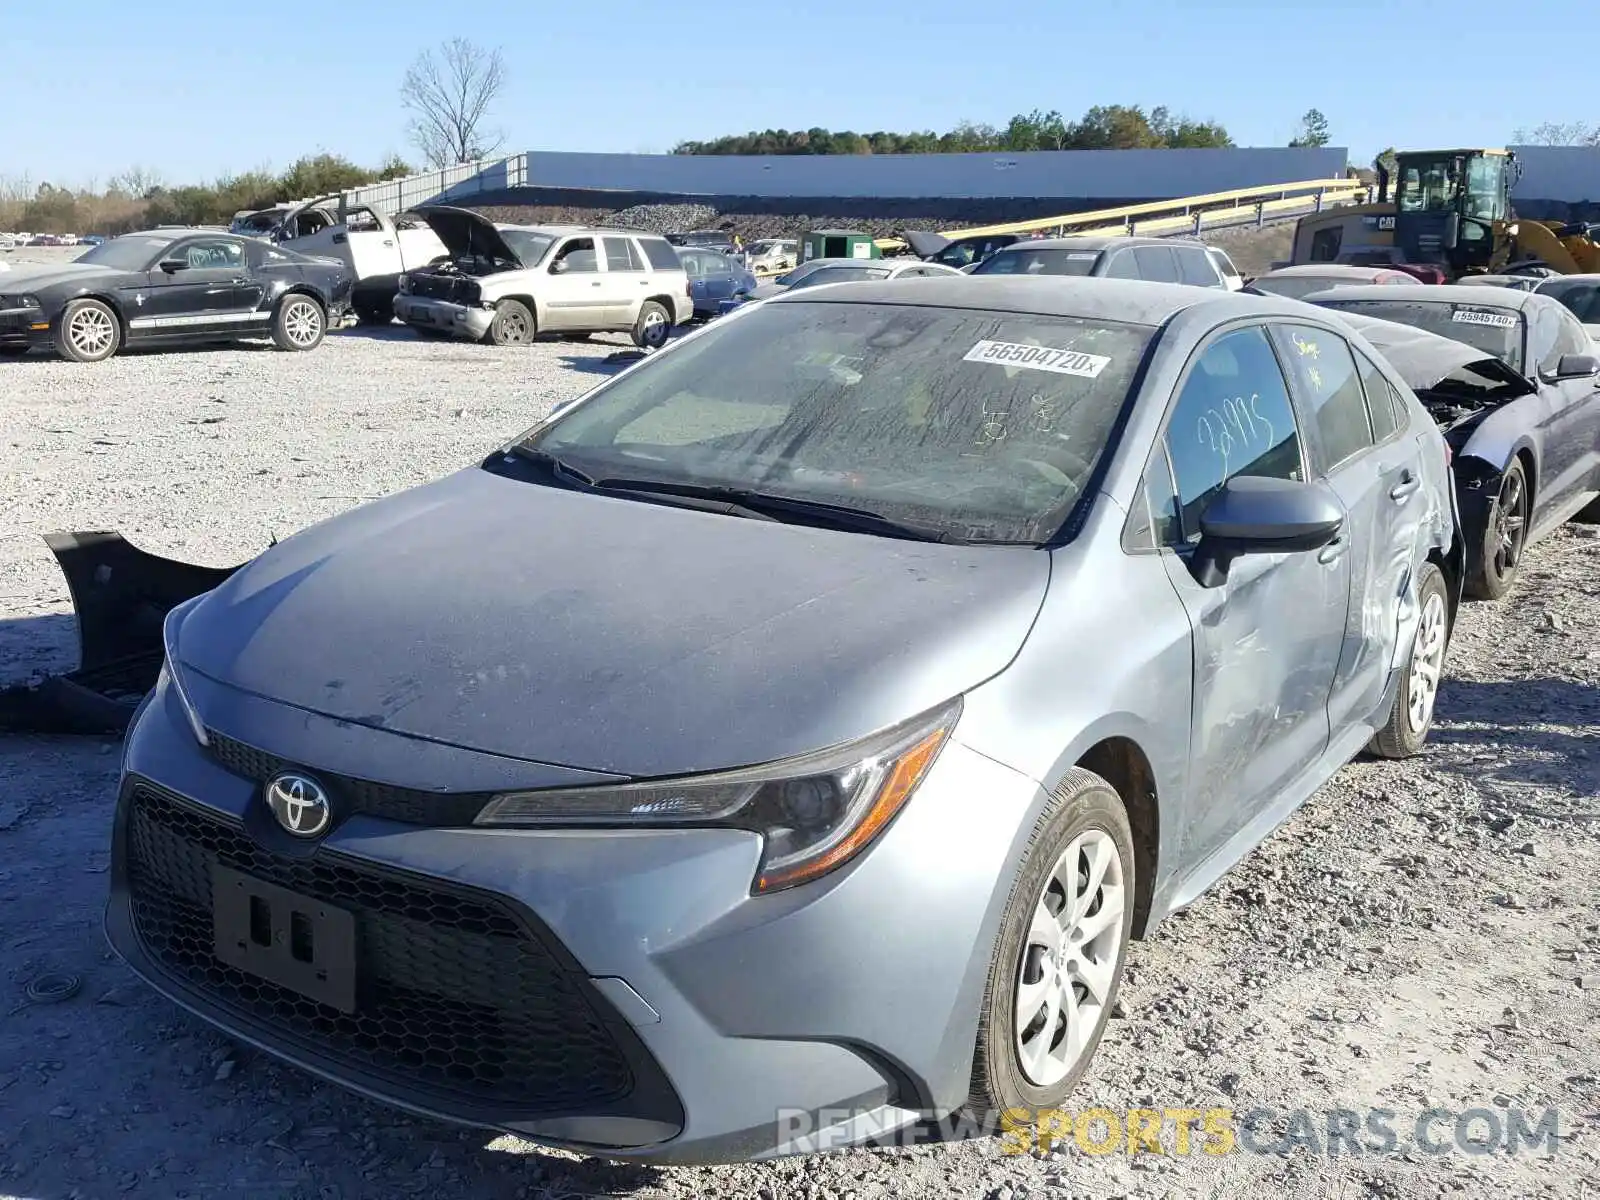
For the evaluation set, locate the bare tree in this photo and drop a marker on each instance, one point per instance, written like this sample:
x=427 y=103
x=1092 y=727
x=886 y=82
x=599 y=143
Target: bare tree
x=137 y=182
x=448 y=94
x=1559 y=133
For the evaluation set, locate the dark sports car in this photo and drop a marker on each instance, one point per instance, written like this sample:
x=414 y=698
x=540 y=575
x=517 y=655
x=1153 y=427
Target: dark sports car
x=1513 y=383
x=171 y=286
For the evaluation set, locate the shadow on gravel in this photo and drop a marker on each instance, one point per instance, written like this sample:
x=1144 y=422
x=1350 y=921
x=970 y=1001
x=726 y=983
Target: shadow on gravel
x=392 y=332
x=32 y=646
x=587 y=365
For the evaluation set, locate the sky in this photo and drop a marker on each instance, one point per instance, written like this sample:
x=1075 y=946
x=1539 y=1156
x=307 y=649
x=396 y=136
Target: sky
x=197 y=90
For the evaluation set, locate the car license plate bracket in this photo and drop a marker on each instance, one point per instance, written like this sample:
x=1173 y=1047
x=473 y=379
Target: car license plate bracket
x=295 y=941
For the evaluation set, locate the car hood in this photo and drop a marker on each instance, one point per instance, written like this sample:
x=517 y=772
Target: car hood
x=42 y=275
x=465 y=232
x=1425 y=359
x=588 y=631
x=923 y=243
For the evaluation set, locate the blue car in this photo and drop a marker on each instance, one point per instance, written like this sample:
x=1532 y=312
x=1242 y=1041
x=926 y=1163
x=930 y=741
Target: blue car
x=716 y=281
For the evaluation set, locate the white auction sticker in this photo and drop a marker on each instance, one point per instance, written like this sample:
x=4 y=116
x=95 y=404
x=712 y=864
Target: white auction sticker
x=1038 y=358
x=1470 y=317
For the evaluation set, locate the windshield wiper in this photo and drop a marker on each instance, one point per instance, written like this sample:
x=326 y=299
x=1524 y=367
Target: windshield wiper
x=558 y=466
x=792 y=508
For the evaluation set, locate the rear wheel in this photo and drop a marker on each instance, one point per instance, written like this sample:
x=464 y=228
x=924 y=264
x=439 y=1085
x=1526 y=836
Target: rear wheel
x=299 y=323
x=652 y=328
x=1505 y=535
x=87 y=331
x=512 y=324
x=1412 y=715
x=1059 y=956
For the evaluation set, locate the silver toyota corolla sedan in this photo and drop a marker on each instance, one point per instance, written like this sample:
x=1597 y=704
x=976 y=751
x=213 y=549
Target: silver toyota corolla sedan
x=780 y=746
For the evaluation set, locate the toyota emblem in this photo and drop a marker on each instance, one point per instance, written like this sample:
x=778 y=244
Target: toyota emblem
x=300 y=805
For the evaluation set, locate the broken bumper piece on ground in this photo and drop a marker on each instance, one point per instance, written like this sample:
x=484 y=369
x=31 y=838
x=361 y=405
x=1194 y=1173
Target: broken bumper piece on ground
x=121 y=595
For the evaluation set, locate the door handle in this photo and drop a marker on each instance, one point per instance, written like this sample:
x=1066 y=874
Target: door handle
x=1408 y=484
x=1333 y=551
x=388 y=241
x=339 y=239
x=596 y=283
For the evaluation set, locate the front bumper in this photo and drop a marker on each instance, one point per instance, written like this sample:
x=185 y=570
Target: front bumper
x=459 y=320
x=24 y=327
x=724 y=1015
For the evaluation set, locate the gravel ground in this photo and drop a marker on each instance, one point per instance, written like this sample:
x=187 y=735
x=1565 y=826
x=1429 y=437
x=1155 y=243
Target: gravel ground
x=1420 y=934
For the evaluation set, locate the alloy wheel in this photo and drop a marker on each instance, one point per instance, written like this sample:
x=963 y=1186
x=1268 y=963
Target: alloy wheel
x=655 y=329
x=91 y=331
x=1510 y=523
x=302 y=323
x=1427 y=664
x=1069 y=958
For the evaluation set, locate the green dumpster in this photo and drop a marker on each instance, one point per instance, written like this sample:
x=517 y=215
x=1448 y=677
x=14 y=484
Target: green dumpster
x=837 y=243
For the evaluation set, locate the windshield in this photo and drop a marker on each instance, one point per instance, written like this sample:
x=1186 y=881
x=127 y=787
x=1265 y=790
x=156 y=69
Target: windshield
x=1425 y=185
x=982 y=425
x=256 y=223
x=1582 y=297
x=1496 y=331
x=1038 y=262
x=529 y=247
x=134 y=252
x=841 y=275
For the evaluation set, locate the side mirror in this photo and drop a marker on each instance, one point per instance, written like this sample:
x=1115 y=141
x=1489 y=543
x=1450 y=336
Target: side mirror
x=1252 y=515
x=1577 y=366
x=559 y=267
x=169 y=265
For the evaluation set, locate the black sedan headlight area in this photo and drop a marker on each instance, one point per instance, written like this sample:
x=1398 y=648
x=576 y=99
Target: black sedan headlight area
x=815 y=813
x=9 y=303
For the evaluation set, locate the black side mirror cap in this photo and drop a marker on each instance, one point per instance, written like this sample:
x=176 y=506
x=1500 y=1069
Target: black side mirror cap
x=1577 y=366
x=1259 y=515
x=169 y=265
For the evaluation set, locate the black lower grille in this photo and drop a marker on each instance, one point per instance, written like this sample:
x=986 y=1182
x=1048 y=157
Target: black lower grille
x=459 y=289
x=455 y=995
x=350 y=795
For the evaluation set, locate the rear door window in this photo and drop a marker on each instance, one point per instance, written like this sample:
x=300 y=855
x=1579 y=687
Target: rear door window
x=1383 y=402
x=1120 y=265
x=1156 y=264
x=1195 y=267
x=621 y=255
x=1322 y=371
x=660 y=254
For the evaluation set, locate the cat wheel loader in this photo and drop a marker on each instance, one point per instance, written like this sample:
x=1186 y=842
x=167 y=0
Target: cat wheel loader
x=1450 y=209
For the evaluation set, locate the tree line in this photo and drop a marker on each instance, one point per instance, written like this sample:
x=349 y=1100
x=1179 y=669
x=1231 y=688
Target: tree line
x=138 y=199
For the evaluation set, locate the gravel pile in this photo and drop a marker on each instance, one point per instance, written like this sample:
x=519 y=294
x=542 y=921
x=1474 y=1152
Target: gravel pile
x=664 y=218
x=1422 y=933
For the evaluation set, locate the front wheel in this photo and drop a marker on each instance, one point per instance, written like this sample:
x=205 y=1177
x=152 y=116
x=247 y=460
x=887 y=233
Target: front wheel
x=1412 y=714
x=650 y=331
x=87 y=331
x=299 y=323
x=1504 y=538
x=1059 y=957
x=512 y=324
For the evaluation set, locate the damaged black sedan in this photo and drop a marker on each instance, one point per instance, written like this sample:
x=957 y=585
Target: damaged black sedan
x=1513 y=382
x=169 y=287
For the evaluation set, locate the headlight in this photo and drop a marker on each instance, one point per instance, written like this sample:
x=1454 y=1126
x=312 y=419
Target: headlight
x=815 y=813
x=405 y=285
x=20 y=302
x=169 y=669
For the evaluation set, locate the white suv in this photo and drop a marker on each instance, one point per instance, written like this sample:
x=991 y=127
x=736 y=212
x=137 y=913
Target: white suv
x=507 y=284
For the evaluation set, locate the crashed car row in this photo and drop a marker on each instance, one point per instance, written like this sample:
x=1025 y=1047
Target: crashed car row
x=769 y=653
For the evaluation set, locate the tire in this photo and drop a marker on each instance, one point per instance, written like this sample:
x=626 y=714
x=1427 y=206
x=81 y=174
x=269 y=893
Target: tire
x=653 y=326
x=87 y=331
x=512 y=324
x=1412 y=715
x=1497 y=561
x=299 y=323
x=1084 y=812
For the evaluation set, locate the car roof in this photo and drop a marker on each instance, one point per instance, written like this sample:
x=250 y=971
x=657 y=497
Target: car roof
x=1331 y=271
x=1436 y=293
x=1575 y=277
x=1083 y=241
x=1126 y=301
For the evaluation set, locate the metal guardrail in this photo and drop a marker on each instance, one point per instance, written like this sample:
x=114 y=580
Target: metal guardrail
x=1186 y=208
